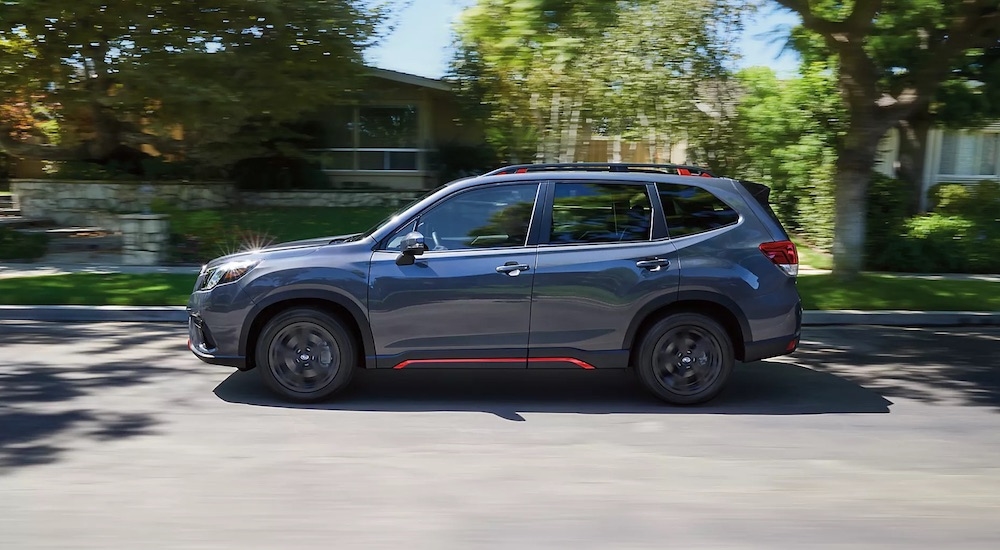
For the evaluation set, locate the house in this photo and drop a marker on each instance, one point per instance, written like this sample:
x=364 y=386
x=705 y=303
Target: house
x=388 y=138
x=951 y=156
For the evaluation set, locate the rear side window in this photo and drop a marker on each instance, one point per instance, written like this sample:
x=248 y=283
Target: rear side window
x=690 y=209
x=600 y=213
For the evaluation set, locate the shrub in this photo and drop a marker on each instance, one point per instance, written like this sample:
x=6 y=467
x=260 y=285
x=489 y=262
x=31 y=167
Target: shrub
x=979 y=201
x=15 y=245
x=278 y=172
x=940 y=243
x=886 y=219
x=452 y=161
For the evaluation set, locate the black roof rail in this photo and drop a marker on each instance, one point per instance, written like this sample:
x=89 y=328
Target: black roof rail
x=679 y=169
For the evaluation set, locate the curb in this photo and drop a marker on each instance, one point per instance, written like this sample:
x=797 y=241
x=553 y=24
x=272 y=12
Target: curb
x=900 y=318
x=178 y=314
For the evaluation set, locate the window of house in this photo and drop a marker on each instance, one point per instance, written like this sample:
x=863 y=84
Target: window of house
x=600 y=213
x=371 y=138
x=690 y=209
x=970 y=153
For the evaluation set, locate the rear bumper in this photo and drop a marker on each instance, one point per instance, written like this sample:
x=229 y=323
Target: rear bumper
x=755 y=351
x=773 y=347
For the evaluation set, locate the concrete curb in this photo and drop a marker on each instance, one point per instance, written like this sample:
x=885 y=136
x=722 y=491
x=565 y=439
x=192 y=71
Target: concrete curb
x=178 y=314
x=901 y=318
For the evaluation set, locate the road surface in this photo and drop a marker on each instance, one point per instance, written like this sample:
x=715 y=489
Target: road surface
x=114 y=436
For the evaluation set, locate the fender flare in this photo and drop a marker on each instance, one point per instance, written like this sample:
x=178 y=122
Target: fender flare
x=685 y=296
x=342 y=300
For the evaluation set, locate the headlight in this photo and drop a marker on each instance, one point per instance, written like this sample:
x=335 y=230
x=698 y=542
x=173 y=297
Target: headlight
x=227 y=273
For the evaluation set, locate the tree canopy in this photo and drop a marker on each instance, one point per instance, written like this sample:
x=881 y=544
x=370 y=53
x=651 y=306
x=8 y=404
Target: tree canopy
x=541 y=71
x=203 y=80
x=893 y=59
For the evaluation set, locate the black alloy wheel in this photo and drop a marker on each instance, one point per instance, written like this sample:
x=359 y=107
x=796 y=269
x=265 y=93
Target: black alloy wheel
x=305 y=355
x=685 y=358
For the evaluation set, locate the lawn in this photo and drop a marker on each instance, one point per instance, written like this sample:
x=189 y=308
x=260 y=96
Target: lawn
x=118 y=289
x=880 y=292
x=811 y=257
x=872 y=292
x=281 y=224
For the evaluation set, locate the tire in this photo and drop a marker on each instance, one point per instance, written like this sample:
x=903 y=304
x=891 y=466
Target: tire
x=685 y=359
x=305 y=355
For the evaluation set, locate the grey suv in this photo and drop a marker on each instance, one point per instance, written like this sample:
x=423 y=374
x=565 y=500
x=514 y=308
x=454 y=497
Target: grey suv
x=663 y=269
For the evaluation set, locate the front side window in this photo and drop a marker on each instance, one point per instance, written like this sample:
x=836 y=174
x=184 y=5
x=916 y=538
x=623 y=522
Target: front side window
x=600 y=213
x=489 y=217
x=690 y=209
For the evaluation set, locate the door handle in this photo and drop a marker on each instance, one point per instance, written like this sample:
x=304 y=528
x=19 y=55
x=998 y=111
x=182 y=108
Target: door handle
x=512 y=269
x=653 y=264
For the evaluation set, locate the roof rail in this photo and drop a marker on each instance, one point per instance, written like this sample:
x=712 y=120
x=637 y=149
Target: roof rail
x=679 y=169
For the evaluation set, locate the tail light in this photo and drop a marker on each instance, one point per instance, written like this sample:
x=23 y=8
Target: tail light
x=783 y=254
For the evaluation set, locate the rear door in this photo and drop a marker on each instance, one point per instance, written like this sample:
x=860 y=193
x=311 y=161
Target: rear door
x=603 y=254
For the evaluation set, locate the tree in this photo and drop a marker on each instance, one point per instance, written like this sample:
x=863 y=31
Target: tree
x=784 y=135
x=207 y=81
x=892 y=58
x=970 y=98
x=542 y=72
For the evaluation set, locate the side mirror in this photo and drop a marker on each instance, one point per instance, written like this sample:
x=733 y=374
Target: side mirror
x=412 y=245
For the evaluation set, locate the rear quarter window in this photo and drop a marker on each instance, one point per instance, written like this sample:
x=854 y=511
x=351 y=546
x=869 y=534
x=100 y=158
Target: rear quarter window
x=690 y=209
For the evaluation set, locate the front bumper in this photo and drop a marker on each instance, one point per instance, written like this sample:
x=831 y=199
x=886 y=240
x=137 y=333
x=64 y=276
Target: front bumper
x=202 y=344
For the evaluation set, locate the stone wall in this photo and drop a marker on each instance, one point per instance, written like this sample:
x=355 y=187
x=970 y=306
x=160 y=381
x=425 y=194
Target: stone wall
x=100 y=204
x=144 y=238
x=97 y=203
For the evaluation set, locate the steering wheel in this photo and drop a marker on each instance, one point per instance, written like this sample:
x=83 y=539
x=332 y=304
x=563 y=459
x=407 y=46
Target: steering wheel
x=437 y=241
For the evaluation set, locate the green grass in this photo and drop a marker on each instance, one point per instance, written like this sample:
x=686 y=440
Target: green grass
x=281 y=224
x=98 y=289
x=813 y=258
x=872 y=292
x=880 y=292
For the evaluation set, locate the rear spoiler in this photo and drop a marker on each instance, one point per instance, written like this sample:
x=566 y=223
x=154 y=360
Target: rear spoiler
x=759 y=191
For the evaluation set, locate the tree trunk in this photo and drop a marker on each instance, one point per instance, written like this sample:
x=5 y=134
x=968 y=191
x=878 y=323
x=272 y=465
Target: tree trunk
x=853 y=174
x=912 y=153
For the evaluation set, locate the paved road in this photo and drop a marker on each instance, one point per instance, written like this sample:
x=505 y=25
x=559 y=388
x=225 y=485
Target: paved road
x=112 y=436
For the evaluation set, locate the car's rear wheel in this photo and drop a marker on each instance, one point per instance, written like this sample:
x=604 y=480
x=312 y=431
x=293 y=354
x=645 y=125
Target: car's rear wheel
x=305 y=355
x=685 y=358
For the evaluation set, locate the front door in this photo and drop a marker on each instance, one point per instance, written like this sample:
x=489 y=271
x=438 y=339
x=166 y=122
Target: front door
x=466 y=301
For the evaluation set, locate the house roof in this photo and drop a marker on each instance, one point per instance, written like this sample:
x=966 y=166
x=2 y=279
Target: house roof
x=411 y=79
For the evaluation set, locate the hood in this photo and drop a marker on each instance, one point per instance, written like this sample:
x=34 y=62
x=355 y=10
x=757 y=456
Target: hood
x=296 y=247
x=306 y=243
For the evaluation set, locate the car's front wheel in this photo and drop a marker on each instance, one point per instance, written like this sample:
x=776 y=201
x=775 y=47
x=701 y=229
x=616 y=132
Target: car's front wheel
x=305 y=355
x=685 y=358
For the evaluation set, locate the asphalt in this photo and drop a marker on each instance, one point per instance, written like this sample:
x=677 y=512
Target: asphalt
x=177 y=314
x=866 y=438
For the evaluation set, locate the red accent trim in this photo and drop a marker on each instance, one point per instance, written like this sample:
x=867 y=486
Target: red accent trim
x=582 y=364
x=683 y=172
x=521 y=171
x=706 y=175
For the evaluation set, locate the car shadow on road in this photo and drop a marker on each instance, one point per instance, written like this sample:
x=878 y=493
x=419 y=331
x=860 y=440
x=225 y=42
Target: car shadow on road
x=761 y=388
